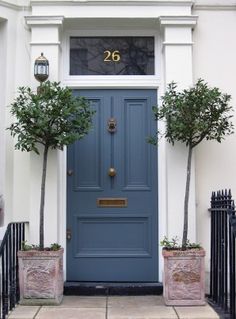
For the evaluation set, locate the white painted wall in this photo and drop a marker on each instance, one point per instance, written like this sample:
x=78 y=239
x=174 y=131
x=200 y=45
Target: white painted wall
x=22 y=178
x=2 y=100
x=214 y=60
x=14 y=72
x=8 y=33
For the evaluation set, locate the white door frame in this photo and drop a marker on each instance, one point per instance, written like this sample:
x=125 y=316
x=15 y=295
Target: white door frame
x=117 y=82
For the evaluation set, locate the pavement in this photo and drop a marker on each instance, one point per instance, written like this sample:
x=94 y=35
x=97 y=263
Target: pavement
x=112 y=307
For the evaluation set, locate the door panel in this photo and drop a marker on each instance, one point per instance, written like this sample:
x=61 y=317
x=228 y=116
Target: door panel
x=114 y=243
x=109 y=241
x=136 y=172
x=88 y=172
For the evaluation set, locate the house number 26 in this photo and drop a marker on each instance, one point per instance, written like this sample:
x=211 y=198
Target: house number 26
x=111 y=56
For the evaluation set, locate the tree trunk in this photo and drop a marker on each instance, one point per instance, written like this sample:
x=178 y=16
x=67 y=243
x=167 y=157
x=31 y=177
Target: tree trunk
x=186 y=198
x=42 y=200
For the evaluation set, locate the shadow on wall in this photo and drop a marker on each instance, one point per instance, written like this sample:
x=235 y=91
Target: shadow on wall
x=1 y=211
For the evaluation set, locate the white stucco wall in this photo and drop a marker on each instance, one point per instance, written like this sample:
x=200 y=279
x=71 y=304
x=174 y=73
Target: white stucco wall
x=8 y=53
x=14 y=72
x=2 y=99
x=214 y=60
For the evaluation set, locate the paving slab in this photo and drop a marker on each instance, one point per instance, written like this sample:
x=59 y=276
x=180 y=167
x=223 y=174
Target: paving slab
x=135 y=301
x=83 y=302
x=198 y=312
x=157 y=312
x=24 y=312
x=71 y=313
x=113 y=307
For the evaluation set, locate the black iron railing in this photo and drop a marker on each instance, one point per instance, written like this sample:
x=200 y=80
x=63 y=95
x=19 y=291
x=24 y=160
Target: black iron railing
x=223 y=263
x=9 y=283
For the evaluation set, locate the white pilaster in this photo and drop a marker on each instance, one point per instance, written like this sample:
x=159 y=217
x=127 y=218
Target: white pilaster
x=177 y=60
x=45 y=37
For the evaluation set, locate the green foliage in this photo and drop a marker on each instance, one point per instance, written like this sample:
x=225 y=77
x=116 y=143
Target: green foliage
x=194 y=114
x=55 y=247
x=190 y=245
x=173 y=243
x=191 y=116
x=26 y=247
x=53 y=118
x=170 y=243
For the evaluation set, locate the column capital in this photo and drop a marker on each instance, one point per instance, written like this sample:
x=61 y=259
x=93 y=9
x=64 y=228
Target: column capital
x=45 y=29
x=177 y=30
x=44 y=20
x=187 y=21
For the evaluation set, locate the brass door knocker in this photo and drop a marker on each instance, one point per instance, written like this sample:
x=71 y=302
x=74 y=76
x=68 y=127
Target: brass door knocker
x=111 y=125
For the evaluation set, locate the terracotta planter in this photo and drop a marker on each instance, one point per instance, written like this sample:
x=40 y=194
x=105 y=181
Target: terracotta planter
x=184 y=277
x=41 y=277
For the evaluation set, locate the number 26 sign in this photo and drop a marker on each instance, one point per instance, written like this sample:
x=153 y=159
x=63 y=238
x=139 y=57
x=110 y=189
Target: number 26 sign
x=111 y=56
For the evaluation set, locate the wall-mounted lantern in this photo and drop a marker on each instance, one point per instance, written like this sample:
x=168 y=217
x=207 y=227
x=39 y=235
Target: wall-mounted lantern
x=41 y=68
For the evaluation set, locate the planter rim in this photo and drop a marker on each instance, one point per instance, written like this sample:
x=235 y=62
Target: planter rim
x=197 y=252
x=40 y=253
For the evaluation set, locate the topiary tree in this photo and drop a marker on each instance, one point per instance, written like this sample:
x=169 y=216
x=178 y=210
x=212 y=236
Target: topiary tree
x=191 y=116
x=52 y=118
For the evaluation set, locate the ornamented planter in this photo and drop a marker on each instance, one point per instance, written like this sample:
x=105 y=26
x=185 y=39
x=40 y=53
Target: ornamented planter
x=41 y=277
x=184 y=277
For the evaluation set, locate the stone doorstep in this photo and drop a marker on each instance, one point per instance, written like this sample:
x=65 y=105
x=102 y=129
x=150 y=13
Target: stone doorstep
x=135 y=307
x=112 y=288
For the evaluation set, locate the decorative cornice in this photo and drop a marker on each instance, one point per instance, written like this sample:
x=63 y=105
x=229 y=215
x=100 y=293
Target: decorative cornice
x=114 y=3
x=177 y=43
x=13 y=6
x=44 y=20
x=229 y=7
x=17 y=7
x=88 y=81
x=45 y=43
x=178 y=20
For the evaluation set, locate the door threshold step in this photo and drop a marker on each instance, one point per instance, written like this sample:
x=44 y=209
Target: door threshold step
x=112 y=288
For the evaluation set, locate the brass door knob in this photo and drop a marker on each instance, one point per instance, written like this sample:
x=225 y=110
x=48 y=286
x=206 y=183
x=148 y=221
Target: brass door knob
x=112 y=172
x=70 y=172
x=68 y=234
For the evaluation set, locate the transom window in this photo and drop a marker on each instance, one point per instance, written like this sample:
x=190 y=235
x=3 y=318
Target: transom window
x=112 y=56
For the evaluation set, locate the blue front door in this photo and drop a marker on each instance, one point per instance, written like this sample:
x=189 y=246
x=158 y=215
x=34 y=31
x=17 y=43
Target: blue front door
x=112 y=191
